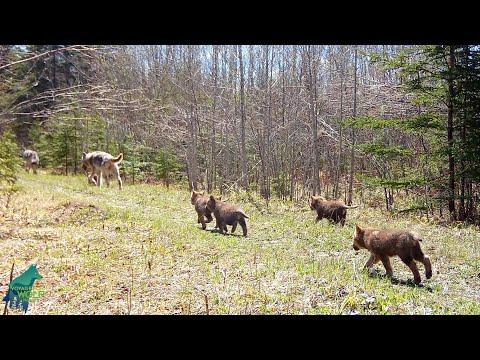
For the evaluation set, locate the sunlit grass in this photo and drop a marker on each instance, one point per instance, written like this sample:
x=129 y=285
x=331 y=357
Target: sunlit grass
x=141 y=251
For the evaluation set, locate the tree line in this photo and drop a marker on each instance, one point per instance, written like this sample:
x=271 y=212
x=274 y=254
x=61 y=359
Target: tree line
x=283 y=121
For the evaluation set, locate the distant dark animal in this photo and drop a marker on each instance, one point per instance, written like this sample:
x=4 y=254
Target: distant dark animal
x=227 y=214
x=334 y=210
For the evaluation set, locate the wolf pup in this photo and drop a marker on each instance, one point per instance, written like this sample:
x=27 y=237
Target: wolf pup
x=227 y=214
x=383 y=244
x=92 y=179
x=334 y=210
x=102 y=164
x=200 y=203
x=31 y=160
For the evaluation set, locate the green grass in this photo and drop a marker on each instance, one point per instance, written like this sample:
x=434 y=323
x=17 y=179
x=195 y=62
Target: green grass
x=140 y=251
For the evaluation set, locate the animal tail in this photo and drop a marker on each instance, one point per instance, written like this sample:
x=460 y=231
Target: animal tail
x=243 y=213
x=416 y=237
x=118 y=158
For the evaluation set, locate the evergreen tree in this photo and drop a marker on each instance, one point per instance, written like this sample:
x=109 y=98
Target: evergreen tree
x=10 y=160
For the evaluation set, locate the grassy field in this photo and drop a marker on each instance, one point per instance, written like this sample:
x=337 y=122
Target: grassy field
x=140 y=251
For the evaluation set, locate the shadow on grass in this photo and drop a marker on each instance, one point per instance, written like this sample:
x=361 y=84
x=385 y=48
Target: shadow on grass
x=379 y=274
x=216 y=231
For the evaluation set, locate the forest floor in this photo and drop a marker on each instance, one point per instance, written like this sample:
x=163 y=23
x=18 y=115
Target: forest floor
x=141 y=251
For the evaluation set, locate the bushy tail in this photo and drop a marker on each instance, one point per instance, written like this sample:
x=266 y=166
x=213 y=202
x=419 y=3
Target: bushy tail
x=118 y=158
x=243 y=214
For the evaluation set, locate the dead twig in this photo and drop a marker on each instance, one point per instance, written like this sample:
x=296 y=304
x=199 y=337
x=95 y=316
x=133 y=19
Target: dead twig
x=6 y=302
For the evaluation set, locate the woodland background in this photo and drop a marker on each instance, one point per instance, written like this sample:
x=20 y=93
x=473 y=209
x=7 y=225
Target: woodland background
x=368 y=124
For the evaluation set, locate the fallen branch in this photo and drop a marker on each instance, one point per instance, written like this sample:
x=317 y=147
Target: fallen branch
x=6 y=302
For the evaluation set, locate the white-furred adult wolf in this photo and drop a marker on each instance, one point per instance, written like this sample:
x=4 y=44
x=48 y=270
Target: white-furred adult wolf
x=102 y=164
x=31 y=160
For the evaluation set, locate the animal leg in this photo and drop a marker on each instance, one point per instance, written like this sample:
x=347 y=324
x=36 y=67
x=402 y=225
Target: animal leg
x=428 y=266
x=372 y=260
x=209 y=217
x=221 y=226
x=243 y=224
x=416 y=275
x=91 y=178
x=119 y=179
x=386 y=263
x=425 y=260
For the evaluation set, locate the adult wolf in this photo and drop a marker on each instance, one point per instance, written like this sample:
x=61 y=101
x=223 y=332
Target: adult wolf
x=31 y=160
x=102 y=164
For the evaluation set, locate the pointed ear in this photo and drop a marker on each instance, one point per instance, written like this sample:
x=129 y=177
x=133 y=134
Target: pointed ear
x=212 y=197
x=358 y=229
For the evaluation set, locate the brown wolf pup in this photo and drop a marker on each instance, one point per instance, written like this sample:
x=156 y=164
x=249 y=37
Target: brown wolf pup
x=91 y=178
x=102 y=164
x=334 y=210
x=227 y=214
x=383 y=244
x=200 y=203
x=31 y=160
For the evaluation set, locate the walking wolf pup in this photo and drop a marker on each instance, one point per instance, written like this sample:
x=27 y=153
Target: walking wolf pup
x=334 y=210
x=227 y=214
x=200 y=203
x=383 y=244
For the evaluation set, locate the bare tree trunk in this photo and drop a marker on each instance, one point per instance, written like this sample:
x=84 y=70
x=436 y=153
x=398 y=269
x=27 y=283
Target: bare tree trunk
x=193 y=125
x=463 y=210
x=243 y=154
x=340 y=143
x=211 y=165
x=313 y=118
x=352 y=153
x=451 y=160
x=265 y=148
